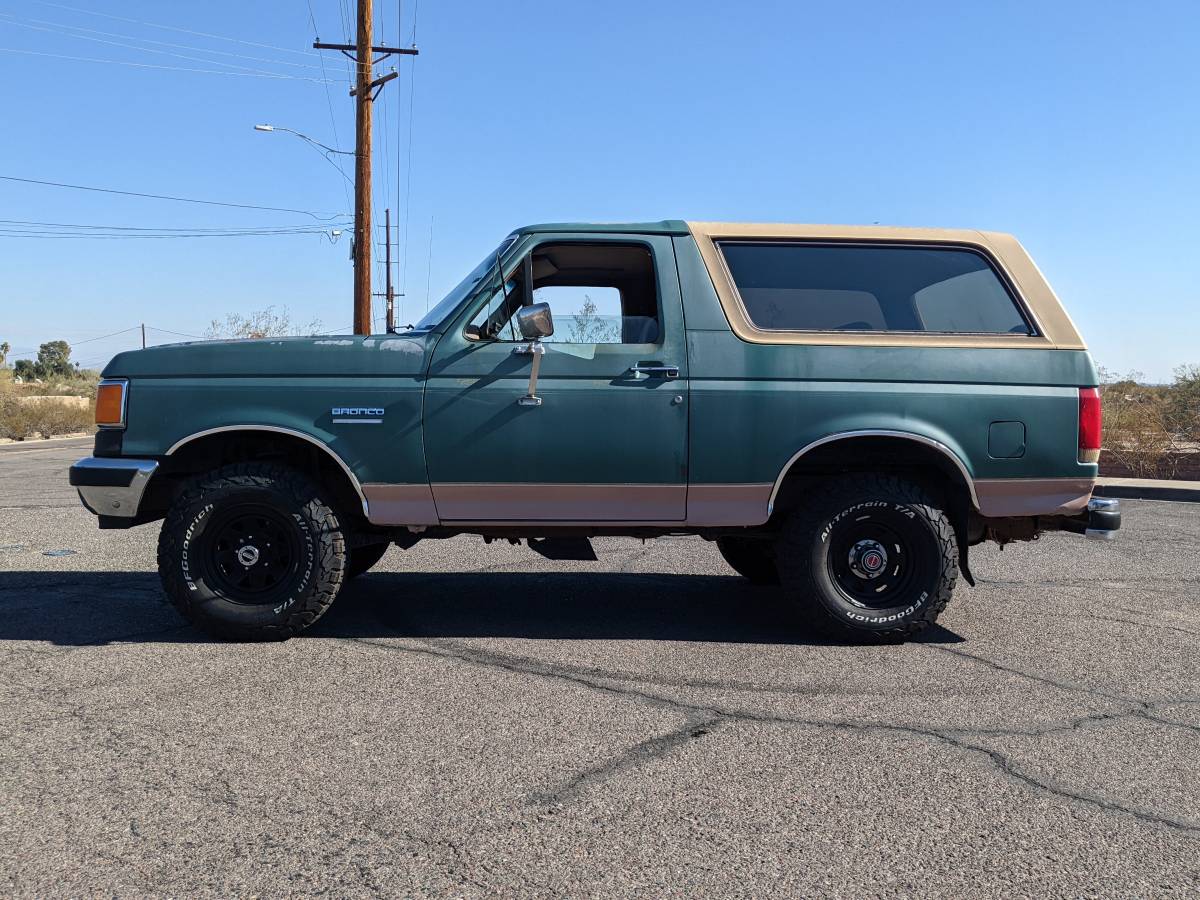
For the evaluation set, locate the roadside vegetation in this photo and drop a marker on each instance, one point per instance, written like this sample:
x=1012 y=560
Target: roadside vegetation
x=1151 y=430
x=261 y=323
x=46 y=396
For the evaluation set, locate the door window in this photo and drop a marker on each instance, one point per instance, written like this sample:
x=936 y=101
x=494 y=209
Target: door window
x=601 y=293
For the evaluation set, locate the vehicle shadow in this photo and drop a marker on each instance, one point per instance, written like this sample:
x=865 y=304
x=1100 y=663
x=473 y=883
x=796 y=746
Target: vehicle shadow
x=84 y=608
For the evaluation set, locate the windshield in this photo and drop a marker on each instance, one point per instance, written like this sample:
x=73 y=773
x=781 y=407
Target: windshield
x=464 y=288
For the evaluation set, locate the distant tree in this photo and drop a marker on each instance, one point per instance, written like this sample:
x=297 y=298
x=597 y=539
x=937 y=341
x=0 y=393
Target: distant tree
x=5 y=349
x=25 y=369
x=260 y=324
x=588 y=328
x=54 y=360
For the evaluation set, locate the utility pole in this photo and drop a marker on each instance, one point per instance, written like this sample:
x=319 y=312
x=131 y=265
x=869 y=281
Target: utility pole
x=365 y=91
x=391 y=298
x=143 y=335
x=362 y=172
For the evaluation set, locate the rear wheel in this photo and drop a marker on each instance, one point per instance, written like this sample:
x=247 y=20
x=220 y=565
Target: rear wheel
x=869 y=555
x=251 y=552
x=753 y=559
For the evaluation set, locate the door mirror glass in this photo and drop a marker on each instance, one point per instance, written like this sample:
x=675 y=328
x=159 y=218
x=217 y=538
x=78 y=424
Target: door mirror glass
x=535 y=321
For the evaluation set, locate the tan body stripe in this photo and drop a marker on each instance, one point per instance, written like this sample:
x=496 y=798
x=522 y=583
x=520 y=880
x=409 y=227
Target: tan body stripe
x=999 y=497
x=708 y=505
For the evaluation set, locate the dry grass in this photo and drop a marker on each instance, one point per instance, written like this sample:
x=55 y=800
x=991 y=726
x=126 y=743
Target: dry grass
x=1151 y=431
x=23 y=416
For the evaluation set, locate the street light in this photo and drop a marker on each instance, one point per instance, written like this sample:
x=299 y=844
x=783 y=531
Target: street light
x=324 y=150
x=303 y=137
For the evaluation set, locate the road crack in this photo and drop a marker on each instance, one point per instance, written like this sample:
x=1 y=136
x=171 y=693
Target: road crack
x=695 y=712
x=642 y=752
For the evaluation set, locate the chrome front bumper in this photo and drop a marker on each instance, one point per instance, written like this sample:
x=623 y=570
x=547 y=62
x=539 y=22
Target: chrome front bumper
x=112 y=487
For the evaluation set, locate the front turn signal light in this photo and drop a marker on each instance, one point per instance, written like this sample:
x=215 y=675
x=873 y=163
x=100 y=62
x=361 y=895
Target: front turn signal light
x=110 y=404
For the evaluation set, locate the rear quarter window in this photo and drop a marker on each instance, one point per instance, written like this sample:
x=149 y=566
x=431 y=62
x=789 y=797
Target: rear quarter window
x=788 y=286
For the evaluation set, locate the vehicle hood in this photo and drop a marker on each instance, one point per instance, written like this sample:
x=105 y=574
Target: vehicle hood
x=392 y=354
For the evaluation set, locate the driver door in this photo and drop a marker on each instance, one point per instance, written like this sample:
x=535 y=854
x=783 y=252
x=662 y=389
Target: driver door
x=608 y=443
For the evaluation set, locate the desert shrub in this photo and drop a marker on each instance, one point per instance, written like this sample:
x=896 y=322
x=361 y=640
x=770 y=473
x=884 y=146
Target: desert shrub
x=1183 y=404
x=15 y=421
x=1150 y=430
x=1135 y=435
x=80 y=383
x=44 y=417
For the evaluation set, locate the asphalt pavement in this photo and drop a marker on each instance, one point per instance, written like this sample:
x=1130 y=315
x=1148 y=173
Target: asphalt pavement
x=475 y=720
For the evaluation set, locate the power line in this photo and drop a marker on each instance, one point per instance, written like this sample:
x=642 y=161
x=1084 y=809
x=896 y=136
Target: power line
x=412 y=87
x=17 y=20
x=207 y=34
x=104 y=336
x=81 y=187
x=57 y=29
x=119 y=228
x=312 y=17
x=175 y=333
x=135 y=65
x=51 y=236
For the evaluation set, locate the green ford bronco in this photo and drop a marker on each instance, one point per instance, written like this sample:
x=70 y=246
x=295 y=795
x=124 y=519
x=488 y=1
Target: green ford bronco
x=844 y=411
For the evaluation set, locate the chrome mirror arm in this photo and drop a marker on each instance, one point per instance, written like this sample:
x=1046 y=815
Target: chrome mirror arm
x=535 y=349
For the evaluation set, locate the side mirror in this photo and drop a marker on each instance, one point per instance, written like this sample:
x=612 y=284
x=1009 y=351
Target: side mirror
x=535 y=321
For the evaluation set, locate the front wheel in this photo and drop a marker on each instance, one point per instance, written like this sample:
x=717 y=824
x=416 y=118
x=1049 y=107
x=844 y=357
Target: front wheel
x=251 y=552
x=869 y=555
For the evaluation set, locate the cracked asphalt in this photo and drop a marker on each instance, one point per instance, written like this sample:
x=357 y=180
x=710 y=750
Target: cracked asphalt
x=474 y=720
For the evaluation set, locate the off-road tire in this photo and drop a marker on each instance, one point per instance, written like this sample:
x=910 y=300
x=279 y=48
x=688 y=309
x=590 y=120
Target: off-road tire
x=830 y=594
x=752 y=559
x=362 y=559
x=193 y=552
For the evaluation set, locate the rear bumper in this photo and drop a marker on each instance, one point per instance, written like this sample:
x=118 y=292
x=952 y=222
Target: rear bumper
x=112 y=487
x=1103 y=518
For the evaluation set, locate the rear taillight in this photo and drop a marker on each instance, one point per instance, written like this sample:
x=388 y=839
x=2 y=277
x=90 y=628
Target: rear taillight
x=1089 y=425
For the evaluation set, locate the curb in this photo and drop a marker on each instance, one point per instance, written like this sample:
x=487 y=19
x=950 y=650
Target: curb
x=31 y=442
x=1148 y=492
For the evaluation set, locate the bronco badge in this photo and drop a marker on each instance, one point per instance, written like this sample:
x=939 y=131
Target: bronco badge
x=356 y=415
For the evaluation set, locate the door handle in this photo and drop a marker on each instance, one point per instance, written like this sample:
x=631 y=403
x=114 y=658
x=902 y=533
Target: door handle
x=655 y=371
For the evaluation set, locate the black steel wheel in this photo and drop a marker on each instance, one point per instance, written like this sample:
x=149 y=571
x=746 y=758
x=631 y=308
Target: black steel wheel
x=869 y=554
x=877 y=556
x=253 y=554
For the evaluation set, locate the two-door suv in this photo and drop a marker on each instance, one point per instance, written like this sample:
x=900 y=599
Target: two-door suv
x=842 y=410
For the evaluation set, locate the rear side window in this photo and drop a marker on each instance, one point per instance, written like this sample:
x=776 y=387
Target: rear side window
x=852 y=287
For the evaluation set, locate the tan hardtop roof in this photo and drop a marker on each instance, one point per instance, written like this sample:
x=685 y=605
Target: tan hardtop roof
x=1054 y=326
x=873 y=232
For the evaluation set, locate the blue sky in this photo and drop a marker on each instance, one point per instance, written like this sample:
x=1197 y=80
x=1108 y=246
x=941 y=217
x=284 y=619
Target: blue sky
x=1072 y=125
